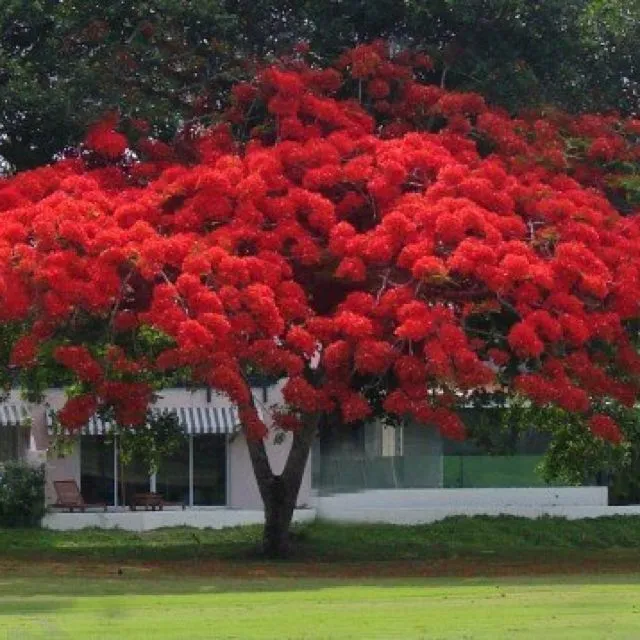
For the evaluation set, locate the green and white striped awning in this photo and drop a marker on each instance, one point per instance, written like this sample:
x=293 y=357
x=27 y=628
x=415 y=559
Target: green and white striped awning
x=13 y=413
x=195 y=420
x=13 y=410
x=198 y=412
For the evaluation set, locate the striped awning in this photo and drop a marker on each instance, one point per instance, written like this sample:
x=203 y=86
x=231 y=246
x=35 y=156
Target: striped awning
x=198 y=412
x=194 y=420
x=208 y=419
x=13 y=413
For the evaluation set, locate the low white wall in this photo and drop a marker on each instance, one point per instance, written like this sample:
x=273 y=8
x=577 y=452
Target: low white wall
x=421 y=506
x=214 y=518
x=477 y=498
x=409 y=516
x=220 y=518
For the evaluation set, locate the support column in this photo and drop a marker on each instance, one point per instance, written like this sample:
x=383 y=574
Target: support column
x=115 y=471
x=191 y=470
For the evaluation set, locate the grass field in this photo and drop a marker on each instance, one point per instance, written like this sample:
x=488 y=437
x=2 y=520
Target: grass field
x=481 y=536
x=591 y=607
x=462 y=578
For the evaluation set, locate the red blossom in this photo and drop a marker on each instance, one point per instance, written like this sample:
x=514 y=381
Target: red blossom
x=77 y=411
x=24 y=352
x=104 y=140
x=344 y=244
x=80 y=361
x=605 y=428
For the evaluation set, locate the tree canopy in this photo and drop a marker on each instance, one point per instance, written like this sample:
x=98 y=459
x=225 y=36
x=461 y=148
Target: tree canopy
x=386 y=245
x=63 y=64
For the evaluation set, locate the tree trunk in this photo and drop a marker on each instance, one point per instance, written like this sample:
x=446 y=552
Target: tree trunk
x=278 y=513
x=280 y=492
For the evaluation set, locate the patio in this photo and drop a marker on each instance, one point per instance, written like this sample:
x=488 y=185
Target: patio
x=171 y=516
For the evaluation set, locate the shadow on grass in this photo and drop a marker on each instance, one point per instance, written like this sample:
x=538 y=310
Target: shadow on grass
x=321 y=542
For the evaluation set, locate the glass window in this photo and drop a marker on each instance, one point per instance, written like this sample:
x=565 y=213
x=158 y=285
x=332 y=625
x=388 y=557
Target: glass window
x=172 y=480
x=96 y=469
x=8 y=443
x=14 y=441
x=133 y=478
x=209 y=469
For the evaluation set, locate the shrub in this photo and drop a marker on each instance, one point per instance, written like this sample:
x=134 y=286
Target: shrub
x=21 y=495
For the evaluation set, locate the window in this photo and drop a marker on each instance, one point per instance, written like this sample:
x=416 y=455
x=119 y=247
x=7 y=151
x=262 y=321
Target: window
x=194 y=475
x=209 y=470
x=96 y=469
x=14 y=440
x=132 y=479
x=172 y=481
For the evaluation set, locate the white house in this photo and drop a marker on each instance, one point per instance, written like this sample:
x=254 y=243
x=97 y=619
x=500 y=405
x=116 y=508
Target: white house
x=375 y=474
x=211 y=475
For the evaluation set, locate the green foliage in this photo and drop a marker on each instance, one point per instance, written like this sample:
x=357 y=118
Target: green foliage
x=520 y=53
x=160 y=438
x=21 y=495
x=575 y=456
x=63 y=64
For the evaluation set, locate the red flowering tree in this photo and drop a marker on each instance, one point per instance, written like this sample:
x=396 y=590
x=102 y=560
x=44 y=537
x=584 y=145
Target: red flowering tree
x=385 y=245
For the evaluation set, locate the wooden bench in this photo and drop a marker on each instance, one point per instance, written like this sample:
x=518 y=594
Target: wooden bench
x=69 y=497
x=150 y=500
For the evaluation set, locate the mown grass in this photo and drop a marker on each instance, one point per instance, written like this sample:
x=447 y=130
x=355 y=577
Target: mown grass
x=344 y=581
x=321 y=541
x=590 y=607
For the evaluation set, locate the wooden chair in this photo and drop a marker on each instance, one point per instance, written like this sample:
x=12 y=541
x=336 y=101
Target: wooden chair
x=150 y=500
x=69 y=497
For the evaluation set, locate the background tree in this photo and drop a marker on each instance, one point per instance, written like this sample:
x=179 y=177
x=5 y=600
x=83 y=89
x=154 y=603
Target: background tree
x=386 y=245
x=574 y=456
x=63 y=64
x=578 y=55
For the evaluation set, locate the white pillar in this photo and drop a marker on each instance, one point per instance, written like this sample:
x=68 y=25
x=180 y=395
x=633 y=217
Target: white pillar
x=115 y=471
x=191 y=470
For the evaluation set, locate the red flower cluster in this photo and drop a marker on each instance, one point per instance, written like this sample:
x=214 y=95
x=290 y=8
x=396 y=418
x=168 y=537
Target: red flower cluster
x=77 y=411
x=604 y=427
x=80 y=361
x=104 y=140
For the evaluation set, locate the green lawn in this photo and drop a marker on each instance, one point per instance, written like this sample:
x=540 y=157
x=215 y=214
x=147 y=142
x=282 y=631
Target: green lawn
x=589 y=607
x=481 y=536
x=463 y=578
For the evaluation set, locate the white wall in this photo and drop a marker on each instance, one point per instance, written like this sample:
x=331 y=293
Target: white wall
x=556 y=503
x=427 y=498
x=417 y=506
x=200 y=518
x=410 y=516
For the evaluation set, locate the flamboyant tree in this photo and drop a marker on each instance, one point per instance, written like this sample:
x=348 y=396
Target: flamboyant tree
x=385 y=245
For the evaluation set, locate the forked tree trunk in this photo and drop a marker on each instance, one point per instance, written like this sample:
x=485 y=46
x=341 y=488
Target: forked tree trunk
x=280 y=492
